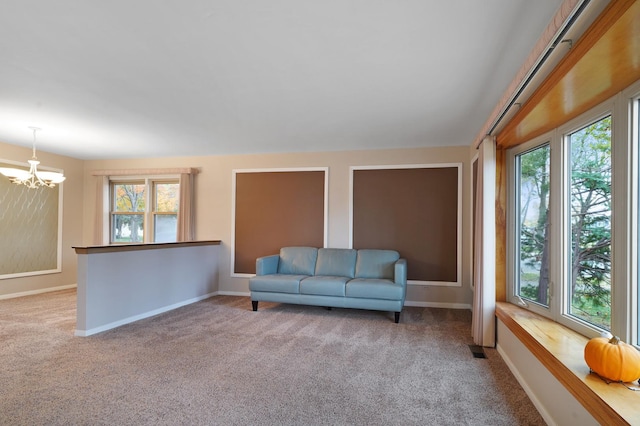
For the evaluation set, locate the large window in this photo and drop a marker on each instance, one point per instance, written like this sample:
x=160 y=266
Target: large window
x=573 y=227
x=144 y=210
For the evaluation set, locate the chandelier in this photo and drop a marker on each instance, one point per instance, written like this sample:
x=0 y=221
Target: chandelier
x=33 y=178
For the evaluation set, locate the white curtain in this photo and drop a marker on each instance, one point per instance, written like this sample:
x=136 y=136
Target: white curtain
x=102 y=206
x=186 y=220
x=484 y=296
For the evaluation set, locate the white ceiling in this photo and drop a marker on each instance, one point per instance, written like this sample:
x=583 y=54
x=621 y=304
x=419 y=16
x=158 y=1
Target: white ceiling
x=149 y=78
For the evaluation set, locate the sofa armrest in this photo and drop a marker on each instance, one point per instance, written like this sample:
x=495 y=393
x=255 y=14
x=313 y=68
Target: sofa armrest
x=267 y=264
x=400 y=272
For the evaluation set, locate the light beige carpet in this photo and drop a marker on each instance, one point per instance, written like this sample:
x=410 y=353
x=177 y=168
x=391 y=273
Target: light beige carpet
x=217 y=362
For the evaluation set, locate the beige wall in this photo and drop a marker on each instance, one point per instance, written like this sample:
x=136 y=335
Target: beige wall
x=72 y=218
x=214 y=198
x=214 y=209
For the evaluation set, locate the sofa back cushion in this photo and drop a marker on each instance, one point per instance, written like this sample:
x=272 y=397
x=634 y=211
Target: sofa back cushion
x=297 y=260
x=336 y=262
x=376 y=263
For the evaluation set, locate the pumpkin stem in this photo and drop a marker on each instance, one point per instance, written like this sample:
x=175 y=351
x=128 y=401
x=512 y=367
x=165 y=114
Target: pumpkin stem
x=614 y=340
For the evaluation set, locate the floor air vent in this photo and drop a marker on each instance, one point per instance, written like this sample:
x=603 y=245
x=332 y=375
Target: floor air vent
x=477 y=351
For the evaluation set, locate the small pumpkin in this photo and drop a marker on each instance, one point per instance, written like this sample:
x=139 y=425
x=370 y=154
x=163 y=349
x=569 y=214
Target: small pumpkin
x=613 y=359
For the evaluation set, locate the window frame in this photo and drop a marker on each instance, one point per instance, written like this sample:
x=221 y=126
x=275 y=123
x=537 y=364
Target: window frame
x=629 y=111
x=512 y=225
x=153 y=198
x=624 y=110
x=562 y=216
x=113 y=212
x=150 y=212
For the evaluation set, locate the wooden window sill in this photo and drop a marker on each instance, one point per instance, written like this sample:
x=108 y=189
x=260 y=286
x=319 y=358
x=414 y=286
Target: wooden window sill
x=561 y=351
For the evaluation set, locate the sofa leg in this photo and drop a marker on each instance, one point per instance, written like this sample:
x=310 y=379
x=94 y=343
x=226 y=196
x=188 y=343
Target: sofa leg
x=254 y=304
x=397 y=317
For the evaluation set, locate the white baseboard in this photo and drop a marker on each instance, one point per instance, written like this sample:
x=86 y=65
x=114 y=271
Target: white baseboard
x=445 y=305
x=233 y=293
x=105 y=327
x=39 y=291
x=406 y=303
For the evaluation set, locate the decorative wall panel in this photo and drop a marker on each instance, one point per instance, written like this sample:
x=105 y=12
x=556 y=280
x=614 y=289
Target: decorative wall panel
x=29 y=229
x=415 y=210
x=275 y=209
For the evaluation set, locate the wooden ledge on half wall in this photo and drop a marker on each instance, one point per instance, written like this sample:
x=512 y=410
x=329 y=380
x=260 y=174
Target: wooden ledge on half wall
x=113 y=248
x=561 y=351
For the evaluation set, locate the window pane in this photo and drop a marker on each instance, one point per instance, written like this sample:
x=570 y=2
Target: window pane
x=533 y=225
x=128 y=197
x=589 y=285
x=127 y=228
x=165 y=227
x=167 y=197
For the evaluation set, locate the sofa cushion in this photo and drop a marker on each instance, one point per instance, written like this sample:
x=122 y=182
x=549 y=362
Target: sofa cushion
x=376 y=263
x=324 y=286
x=336 y=262
x=278 y=283
x=298 y=260
x=373 y=288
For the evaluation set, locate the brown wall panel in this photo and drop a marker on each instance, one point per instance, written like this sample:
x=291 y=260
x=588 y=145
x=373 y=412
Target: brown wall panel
x=413 y=211
x=274 y=210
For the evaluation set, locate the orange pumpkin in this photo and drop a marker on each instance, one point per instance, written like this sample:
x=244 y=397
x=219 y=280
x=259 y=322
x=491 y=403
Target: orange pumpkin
x=613 y=359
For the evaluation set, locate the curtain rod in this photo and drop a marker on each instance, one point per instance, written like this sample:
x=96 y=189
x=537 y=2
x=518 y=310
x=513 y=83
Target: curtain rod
x=500 y=112
x=129 y=172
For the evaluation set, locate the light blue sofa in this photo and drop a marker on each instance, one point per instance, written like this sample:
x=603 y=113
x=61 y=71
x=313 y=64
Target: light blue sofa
x=340 y=278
